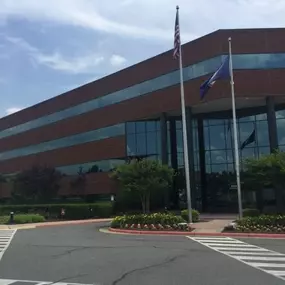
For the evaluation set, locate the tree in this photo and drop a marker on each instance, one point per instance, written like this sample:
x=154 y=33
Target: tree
x=268 y=171
x=144 y=177
x=38 y=184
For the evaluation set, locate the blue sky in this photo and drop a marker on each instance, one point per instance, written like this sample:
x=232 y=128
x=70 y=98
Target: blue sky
x=50 y=46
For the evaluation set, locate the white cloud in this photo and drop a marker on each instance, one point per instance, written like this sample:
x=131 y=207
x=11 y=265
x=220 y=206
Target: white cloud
x=12 y=110
x=57 y=61
x=81 y=64
x=148 y=18
x=117 y=60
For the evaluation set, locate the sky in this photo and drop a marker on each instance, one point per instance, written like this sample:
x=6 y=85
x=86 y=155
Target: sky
x=48 y=47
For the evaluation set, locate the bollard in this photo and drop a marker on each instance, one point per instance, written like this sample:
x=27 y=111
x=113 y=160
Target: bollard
x=11 y=217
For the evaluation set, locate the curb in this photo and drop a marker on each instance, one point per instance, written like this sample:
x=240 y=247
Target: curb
x=177 y=233
x=66 y=223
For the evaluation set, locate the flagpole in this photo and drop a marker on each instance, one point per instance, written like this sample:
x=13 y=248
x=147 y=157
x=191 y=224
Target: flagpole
x=184 y=130
x=235 y=132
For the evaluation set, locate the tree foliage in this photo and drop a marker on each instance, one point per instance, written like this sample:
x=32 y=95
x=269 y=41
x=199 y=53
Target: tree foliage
x=39 y=184
x=143 y=177
x=268 y=171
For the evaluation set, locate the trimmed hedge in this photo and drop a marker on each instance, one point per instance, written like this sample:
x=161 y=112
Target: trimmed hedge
x=195 y=215
x=23 y=219
x=262 y=223
x=251 y=213
x=72 y=211
x=144 y=219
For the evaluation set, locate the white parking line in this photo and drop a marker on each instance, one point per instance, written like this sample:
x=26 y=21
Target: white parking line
x=254 y=256
x=6 y=238
x=11 y=281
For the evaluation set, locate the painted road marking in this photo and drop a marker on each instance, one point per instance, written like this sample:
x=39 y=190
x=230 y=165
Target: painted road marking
x=6 y=237
x=268 y=261
x=12 y=281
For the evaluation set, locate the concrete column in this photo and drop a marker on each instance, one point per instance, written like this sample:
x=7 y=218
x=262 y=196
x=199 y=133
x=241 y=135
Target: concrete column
x=272 y=125
x=189 y=123
x=202 y=159
x=163 y=138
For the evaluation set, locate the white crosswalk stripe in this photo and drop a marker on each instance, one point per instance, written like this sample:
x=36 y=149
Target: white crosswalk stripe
x=12 y=281
x=263 y=259
x=6 y=237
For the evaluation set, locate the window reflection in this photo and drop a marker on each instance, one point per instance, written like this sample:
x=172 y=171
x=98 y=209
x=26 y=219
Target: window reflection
x=281 y=131
x=217 y=137
x=91 y=167
x=145 y=141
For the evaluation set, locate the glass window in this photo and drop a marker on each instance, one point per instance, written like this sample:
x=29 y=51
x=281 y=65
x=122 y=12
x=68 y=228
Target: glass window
x=262 y=133
x=217 y=137
x=219 y=156
x=131 y=127
x=179 y=140
x=261 y=117
x=140 y=127
x=246 y=119
x=248 y=153
x=178 y=125
x=180 y=159
x=208 y=157
x=263 y=150
x=195 y=139
x=151 y=143
x=280 y=114
x=131 y=144
x=151 y=126
x=245 y=130
x=206 y=138
x=208 y=168
x=214 y=122
x=281 y=131
x=91 y=167
x=218 y=168
x=158 y=141
x=141 y=144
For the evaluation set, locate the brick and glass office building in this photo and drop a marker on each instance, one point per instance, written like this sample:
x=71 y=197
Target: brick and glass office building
x=136 y=113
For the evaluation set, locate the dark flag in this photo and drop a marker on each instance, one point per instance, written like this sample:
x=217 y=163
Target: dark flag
x=176 y=51
x=249 y=140
x=223 y=72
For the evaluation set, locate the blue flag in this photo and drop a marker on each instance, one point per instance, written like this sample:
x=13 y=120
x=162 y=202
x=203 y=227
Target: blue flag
x=249 y=140
x=222 y=73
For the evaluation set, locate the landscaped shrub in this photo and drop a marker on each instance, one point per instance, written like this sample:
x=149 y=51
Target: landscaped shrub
x=23 y=219
x=195 y=215
x=251 y=213
x=147 y=219
x=262 y=224
x=30 y=218
x=72 y=211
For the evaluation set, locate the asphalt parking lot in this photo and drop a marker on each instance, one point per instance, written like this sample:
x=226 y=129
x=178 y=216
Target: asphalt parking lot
x=82 y=254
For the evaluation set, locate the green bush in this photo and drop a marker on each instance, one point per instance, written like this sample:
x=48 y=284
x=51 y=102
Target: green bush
x=262 y=224
x=195 y=215
x=251 y=213
x=30 y=218
x=72 y=211
x=23 y=219
x=147 y=219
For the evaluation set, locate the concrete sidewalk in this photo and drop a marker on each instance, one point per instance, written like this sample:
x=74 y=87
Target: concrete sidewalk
x=211 y=226
x=51 y=224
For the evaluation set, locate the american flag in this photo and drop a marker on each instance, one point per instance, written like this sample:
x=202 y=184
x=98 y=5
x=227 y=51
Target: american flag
x=176 y=51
